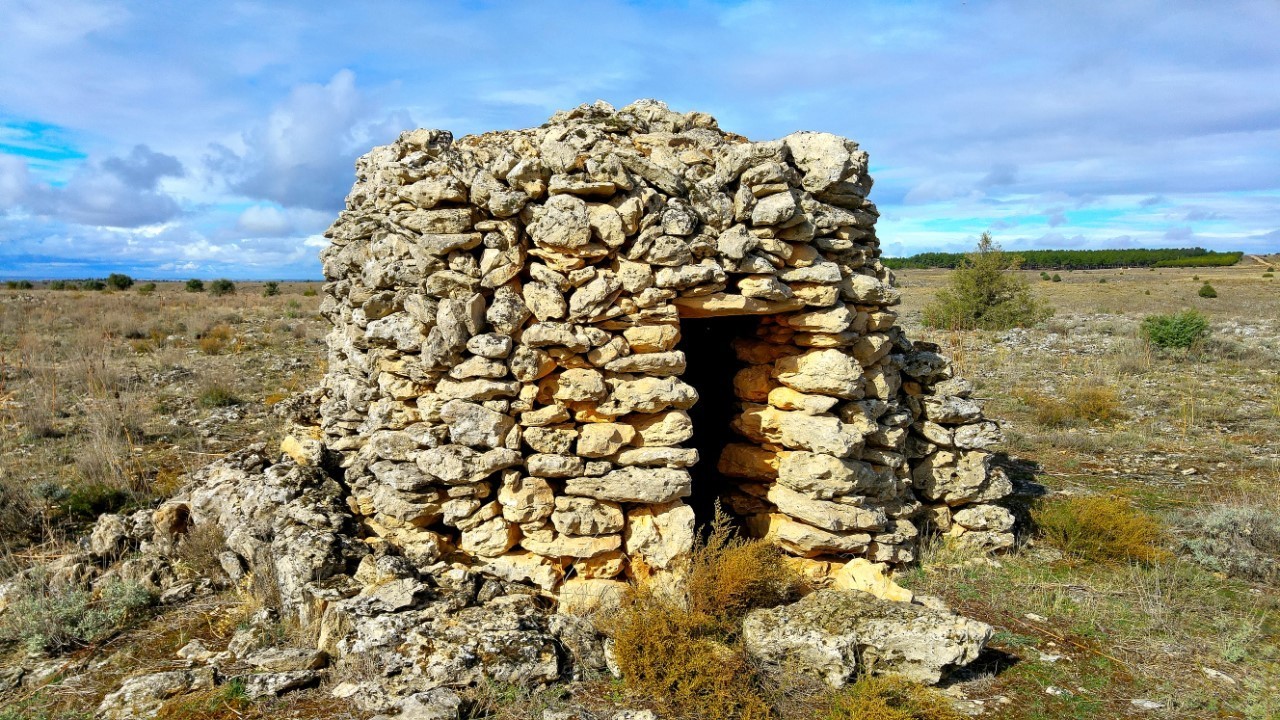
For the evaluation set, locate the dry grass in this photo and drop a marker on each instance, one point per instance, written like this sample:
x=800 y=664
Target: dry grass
x=1100 y=529
x=682 y=651
x=103 y=395
x=888 y=698
x=1089 y=403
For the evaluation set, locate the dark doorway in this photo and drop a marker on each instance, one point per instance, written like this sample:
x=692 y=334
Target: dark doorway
x=706 y=343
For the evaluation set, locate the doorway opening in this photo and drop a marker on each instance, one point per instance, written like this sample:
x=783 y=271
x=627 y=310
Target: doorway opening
x=710 y=366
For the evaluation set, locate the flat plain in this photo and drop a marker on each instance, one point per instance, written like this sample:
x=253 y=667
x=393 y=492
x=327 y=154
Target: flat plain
x=107 y=398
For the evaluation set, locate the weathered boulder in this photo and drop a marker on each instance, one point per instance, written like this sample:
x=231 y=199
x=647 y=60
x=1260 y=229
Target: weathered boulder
x=828 y=633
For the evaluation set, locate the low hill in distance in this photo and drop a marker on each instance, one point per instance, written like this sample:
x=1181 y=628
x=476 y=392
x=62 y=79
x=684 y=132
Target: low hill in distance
x=1083 y=259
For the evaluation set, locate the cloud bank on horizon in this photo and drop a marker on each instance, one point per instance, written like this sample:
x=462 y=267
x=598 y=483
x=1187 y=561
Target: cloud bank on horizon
x=218 y=139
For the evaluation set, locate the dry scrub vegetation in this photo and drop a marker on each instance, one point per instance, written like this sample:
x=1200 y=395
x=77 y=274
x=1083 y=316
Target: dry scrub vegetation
x=1152 y=574
x=106 y=398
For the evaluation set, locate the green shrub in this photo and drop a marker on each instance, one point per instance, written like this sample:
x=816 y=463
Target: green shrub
x=1239 y=540
x=93 y=285
x=58 y=285
x=1101 y=529
x=89 y=500
x=1268 y=275
x=218 y=396
x=271 y=289
x=146 y=288
x=309 y=292
x=1207 y=291
x=1044 y=275
x=985 y=292
x=1179 y=330
x=1056 y=277
x=46 y=619
x=222 y=286
x=18 y=284
x=195 y=285
x=119 y=281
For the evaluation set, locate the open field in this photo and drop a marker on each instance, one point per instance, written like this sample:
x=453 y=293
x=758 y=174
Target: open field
x=1187 y=437
x=106 y=398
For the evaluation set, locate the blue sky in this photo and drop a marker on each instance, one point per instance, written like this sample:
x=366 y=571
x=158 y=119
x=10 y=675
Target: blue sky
x=172 y=140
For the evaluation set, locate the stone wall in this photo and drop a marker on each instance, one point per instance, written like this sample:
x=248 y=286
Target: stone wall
x=504 y=384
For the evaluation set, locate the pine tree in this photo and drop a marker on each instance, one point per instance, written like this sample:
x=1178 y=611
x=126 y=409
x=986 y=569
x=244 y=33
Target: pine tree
x=986 y=293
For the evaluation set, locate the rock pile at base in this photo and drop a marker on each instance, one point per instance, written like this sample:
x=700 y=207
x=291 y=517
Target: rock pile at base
x=504 y=382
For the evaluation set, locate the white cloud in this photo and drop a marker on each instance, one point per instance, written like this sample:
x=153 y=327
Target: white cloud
x=303 y=153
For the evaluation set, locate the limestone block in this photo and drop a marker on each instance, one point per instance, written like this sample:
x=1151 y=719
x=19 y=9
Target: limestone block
x=863 y=575
x=754 y=383
x=652 y=338
x=836 y=517
x=588 y=597
x=563 y=221
x=822 y=476
x=633 y=485
x=475 y=425
x=784 y=398
x=798 y=431
x=992 y=518
x=824 y=371
x=586 y=516
x=751 y=462
x=829 y=633
x=978 y=436
x=526 y=499
x=490 y=538
x=603 y=566
x=651 y=395
x=597 y=440
x=545 y=301
x=671 y=457
x=580 y=385
x=721 y=304
x=834 y=319
x=806 y=540
x=573 y=546
x=660 y=535
x=547 y=465
x=555 y=439
x=959 y=477
x=651 y=363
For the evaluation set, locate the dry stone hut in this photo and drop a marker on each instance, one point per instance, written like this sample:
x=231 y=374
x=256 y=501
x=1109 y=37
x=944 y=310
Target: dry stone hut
x=554 y=349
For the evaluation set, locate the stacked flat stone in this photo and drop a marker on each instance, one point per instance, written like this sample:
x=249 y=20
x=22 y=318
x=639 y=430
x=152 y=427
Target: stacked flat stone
x=504 y=385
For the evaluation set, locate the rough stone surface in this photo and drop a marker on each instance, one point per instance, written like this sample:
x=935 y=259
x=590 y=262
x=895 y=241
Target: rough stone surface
x=830 y=632
x=505 y=378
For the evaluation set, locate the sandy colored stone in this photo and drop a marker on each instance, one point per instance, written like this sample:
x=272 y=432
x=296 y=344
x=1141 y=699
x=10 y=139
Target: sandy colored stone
x=824 y=372
x=660 y=535
x=661 y=429
x=652 y=338
x=866 y=576
x=597 y=440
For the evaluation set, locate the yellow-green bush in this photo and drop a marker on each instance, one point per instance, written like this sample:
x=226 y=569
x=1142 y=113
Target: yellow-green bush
x=890 y=698
x=1088 y=403
x=1100 y=529
x=683 y=651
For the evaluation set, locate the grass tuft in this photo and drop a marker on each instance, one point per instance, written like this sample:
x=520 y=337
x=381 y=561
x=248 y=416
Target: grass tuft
x=1101 y=529
x=890 y=698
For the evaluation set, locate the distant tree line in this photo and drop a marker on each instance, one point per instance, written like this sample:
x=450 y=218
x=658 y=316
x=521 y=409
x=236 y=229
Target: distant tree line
x=1083 y=259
